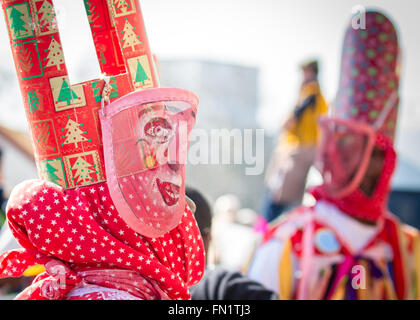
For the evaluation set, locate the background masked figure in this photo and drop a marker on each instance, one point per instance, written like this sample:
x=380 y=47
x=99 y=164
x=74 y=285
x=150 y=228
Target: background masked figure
x=295 y=153
x=109 y=219
x=348 y=245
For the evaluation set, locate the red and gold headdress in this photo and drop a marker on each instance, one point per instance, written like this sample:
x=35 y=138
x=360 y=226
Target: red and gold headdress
x=63 y=116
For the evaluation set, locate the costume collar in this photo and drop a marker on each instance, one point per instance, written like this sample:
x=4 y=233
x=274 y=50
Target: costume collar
x=345 y=227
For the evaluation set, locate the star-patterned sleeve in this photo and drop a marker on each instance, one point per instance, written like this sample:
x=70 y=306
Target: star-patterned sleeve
x=81 y=229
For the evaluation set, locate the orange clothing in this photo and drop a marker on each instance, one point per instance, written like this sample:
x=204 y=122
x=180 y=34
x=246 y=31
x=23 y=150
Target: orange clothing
x=304 y=131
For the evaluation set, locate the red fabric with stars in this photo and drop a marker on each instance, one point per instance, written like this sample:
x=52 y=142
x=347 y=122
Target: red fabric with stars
x=80 y=231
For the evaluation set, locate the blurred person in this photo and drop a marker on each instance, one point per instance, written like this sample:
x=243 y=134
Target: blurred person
x=218 y=283
x=348 y=245
x=10 y=287
x=204 y=215
x=294 y=155
x=246 y=217
x=232 y=237
x=114 y=229
x=225 y=209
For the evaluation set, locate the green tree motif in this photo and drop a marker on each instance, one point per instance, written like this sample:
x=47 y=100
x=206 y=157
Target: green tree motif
x=55 y=55
x=47 y=19
x=121 y=5
x=91 y=11
x=66 y=93
x=83 y=171
x=73 y=133
x=18 y=24
x=97 y=87
x=33 y=101
x=130 y=38
x=141 y=75
x=88 y=7
x=50 y=171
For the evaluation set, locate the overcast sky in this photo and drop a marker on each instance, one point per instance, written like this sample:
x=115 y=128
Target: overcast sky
x=273 y=35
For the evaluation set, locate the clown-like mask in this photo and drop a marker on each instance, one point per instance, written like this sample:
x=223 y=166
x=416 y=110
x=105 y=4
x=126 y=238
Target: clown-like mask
x=145 y=136
x=345 y=150
x=343 y=154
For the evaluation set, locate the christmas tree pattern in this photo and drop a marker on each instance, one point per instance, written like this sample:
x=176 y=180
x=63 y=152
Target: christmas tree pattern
x=55 y=56
x=83 y=171
x=91 y=12
x=140 y=72
x=53 y=170
x=33 y=101
x=89 y=9
x=141 y=75
x=42 y=135
x=19 y=21
x=74 y=133
x=102 y=58
x=25 y=59
x=47 y=19
x=66 y=96
x=130 y=38
x=18 y=24
x=50 y=172
x=98 y=86
x=66 y=93
x=28 y=60
x=121 y=6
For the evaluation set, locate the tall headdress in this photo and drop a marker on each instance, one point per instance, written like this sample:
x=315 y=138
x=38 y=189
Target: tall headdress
x=85 y=135
x=364 y=118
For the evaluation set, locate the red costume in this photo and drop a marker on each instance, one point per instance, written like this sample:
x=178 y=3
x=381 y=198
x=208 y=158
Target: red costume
x=329 y=251
x=104 y=228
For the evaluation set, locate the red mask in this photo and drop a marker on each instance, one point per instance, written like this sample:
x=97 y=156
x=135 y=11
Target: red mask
x=145 y=138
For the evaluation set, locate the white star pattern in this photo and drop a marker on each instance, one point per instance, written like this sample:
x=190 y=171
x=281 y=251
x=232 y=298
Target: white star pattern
x=91 y=243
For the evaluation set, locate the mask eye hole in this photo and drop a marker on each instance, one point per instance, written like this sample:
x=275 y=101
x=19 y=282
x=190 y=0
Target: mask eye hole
x=158 y=128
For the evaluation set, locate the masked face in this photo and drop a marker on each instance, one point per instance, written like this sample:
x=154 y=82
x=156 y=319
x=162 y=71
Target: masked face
x=145 y=147
x=343 y=155
x=373 y=172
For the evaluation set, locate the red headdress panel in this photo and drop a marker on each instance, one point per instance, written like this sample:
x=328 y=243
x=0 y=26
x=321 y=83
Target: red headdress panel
x=370 y=75
x=113 y=157
x=65 y=121
x=364 y=117
x=63 y=116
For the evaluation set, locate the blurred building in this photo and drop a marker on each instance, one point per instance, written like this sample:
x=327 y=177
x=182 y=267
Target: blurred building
x=228 y=93
x=229 y=99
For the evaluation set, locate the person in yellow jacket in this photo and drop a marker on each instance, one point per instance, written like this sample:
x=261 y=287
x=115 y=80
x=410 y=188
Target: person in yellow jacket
x=294 y=155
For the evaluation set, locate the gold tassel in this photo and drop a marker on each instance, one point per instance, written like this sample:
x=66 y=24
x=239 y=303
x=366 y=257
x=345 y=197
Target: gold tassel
x=286 y=272
x=365 y=293
x=416 y=249
x=34 y=270
x=340 y=291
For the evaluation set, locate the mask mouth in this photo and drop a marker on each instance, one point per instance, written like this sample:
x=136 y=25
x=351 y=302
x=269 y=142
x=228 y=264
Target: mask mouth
x=169 y=191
